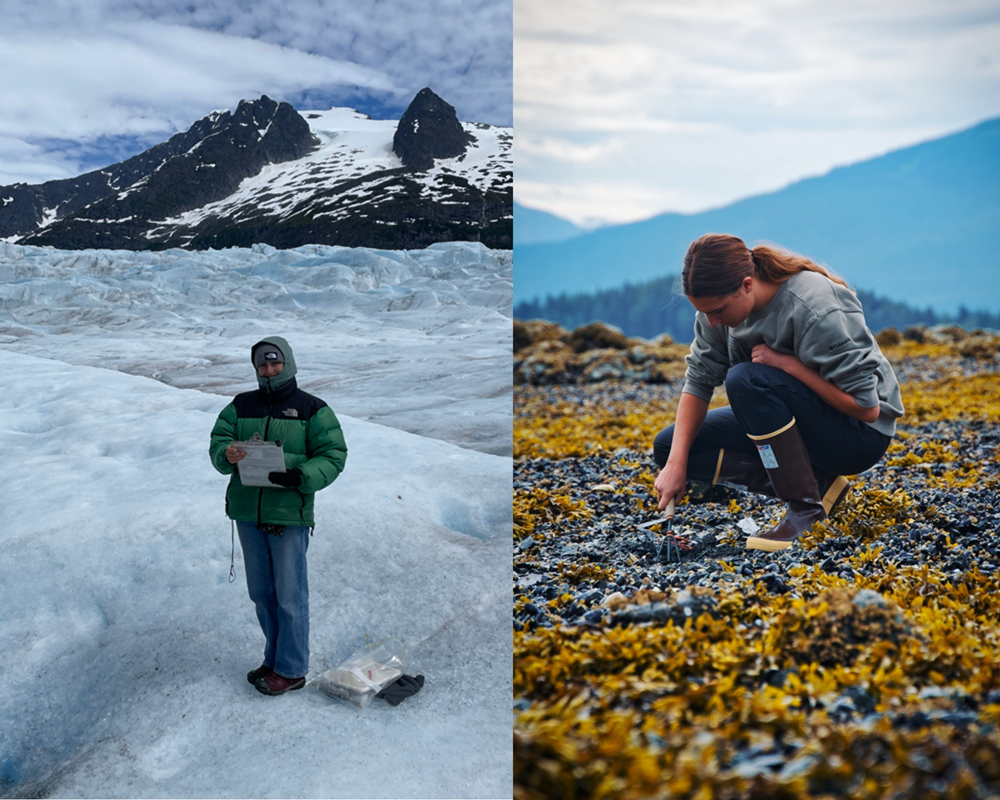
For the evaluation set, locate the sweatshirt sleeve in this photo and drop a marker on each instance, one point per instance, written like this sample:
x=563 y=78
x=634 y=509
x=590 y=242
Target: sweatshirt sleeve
x=708 y=361
x=840 y=347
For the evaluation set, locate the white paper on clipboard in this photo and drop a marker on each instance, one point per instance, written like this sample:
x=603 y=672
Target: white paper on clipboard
x=262 y=458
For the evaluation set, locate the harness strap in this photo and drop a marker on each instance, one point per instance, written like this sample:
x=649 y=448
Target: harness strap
x=232 y=556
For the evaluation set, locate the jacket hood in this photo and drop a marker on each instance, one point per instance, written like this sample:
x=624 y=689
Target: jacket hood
x=286 y=374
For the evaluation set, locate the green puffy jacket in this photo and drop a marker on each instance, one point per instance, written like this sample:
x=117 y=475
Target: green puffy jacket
x=308 y=430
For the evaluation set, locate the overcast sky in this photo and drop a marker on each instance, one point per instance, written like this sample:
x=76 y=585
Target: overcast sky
x=627 y=109
x=85 y=83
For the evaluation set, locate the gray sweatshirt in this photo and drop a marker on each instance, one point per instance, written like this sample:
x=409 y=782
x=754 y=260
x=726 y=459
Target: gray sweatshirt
x=819 y=322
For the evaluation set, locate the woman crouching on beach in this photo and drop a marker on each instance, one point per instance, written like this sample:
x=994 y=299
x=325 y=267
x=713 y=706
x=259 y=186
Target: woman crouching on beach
x=811 y=396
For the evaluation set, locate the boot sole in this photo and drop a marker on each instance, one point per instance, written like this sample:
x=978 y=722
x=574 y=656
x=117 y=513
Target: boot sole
x=759 y=543
x=262 y=687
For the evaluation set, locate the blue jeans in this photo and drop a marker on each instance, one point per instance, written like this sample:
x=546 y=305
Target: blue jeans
x=279 y=587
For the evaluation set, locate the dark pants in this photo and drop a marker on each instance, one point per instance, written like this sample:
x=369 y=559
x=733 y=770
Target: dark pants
x=764 y=399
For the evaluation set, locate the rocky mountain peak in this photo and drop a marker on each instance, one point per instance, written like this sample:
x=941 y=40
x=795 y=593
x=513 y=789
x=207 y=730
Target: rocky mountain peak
x=277 y=129
x=429 y=129
x=201 y=165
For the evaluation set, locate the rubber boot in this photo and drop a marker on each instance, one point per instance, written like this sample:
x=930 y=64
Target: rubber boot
x=784 y=456
x=743 y=471
x=834 y=488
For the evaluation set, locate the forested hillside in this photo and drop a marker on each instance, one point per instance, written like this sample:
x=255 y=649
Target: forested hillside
x=649 y=309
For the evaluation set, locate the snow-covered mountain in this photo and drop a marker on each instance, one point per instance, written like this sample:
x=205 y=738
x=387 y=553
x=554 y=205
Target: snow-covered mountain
x=268 y=174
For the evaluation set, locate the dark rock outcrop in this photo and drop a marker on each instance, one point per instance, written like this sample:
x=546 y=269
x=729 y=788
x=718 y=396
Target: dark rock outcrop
x=428 y=129
x=545 y=353
x=204 y=164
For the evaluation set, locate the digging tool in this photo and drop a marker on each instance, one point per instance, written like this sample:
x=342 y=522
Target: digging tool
x=672 y=540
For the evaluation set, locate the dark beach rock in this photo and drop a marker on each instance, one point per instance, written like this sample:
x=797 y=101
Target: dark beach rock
x=535 y=330
x=598 y=336
x=684 y=605
x=834 y=627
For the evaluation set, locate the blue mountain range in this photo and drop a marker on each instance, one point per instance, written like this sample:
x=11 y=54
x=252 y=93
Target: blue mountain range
x=532 y=226
x=920 y=225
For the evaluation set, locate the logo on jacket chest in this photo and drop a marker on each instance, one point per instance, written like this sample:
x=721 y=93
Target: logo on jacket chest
x=290 y=412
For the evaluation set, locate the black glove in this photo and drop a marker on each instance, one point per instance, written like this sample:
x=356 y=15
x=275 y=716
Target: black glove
x=291 y=479
x=405 y=686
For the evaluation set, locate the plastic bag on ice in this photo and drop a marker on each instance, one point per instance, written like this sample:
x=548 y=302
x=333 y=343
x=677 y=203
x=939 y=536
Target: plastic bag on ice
x=364 y=674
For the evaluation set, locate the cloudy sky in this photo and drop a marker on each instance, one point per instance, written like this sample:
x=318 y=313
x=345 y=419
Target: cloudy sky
x=85 y=83
x=628 y=109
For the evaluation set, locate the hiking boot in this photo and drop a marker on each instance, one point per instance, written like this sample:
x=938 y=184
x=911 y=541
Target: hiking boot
x=741 y=471
x=273 y=683
x=256 y=674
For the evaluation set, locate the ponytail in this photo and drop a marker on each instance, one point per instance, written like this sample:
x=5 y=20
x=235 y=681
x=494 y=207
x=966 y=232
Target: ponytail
x=717 y=263
x=776 y=265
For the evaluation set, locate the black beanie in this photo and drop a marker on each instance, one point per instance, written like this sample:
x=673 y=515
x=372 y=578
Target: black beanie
x=267 y=354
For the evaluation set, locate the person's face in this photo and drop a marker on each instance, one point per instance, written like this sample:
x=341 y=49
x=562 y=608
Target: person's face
x=730 y=309
x=270 y=369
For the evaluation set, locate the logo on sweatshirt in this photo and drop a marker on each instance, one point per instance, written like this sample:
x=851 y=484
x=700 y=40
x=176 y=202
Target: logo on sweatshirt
x=841 y=343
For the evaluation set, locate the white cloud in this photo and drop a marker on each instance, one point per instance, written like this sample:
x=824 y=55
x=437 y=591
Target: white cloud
x=563 y=150
x=693 y=172
x=141 y=79
x=699 y=104
x=591 y=203
x=144 y=77
x=22 y=162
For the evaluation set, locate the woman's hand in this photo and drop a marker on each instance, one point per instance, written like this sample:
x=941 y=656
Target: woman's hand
x=670 y=483
x=763 y=354
x=828 y=392
x=234 y=456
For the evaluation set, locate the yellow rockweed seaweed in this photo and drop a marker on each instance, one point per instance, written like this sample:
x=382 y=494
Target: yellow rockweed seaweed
x=540 y=505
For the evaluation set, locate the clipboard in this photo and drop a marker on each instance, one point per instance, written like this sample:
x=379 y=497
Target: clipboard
x=262 y=459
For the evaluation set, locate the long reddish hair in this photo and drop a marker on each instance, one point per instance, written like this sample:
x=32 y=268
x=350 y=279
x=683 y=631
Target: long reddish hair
x=716 y=264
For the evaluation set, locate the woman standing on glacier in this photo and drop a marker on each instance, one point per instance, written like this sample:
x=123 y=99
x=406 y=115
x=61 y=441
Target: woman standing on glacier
x=812 y=397
x=275 y=521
